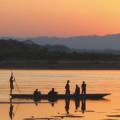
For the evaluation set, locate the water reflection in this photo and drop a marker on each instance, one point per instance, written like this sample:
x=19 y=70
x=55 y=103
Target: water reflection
x=67 y=105
x=108 y=80
x=83 y=105
x=77 y=105
x=11 y=113
x=46 y=118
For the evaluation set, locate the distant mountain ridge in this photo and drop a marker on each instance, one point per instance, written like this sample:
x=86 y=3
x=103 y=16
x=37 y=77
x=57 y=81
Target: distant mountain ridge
x=11 y=48
x=91 y=42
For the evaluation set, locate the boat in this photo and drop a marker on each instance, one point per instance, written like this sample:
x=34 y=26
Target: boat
x=52 y=95
x=95 y=96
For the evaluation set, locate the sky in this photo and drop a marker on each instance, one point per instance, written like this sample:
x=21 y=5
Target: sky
x=25 y=18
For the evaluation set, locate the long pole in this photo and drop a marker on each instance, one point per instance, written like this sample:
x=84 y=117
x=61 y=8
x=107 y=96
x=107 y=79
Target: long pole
x=17 y=87
x=16 y=84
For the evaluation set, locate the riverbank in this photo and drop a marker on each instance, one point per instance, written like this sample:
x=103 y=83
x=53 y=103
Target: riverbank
x=60 y=64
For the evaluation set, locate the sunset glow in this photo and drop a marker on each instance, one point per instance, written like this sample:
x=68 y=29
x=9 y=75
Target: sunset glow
x=59 y=17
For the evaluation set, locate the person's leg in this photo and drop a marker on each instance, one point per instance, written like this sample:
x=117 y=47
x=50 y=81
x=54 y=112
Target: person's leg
x=10 y=91
x=85 y=91
x=82 y=91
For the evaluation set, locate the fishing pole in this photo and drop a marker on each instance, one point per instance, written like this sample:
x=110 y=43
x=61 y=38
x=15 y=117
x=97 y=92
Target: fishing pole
x=16 y=83
x=16 y=109
x=17 y=86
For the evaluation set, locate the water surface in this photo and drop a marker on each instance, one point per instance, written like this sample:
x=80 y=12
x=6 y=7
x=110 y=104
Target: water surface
x=98 y=81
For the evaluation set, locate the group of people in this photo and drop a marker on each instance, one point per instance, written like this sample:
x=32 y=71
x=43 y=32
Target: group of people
x=77 y=89
x=52 y=92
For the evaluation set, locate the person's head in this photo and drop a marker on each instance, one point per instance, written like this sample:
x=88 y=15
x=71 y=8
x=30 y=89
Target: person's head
x=52 y=89
x=68 y=81
x=76 y=85
x=83 y=82
x=36 y=90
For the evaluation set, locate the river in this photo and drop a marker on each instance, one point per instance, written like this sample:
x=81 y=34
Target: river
x=98 y=81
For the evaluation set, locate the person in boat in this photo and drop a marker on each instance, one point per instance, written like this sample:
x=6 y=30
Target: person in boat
x=77 y=97
x=67 y=88
x=77 y=91
x=83 y=86
x=37 y=94
x=52 y=94
x=12 y=80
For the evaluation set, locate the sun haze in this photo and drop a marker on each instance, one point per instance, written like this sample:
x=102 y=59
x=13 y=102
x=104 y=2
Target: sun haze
x=59 y=17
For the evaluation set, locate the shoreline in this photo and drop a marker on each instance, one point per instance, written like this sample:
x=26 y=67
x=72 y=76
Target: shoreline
x=60 y=65
x=61 y=68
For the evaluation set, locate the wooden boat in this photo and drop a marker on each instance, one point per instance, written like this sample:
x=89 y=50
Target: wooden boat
x=54 y=96
x=96 y=96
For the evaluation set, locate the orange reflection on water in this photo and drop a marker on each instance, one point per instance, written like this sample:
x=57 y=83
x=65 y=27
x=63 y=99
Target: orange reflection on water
x=97 y=81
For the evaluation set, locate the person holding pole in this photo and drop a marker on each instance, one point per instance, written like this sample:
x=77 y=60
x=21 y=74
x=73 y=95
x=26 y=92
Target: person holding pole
x=12 y=79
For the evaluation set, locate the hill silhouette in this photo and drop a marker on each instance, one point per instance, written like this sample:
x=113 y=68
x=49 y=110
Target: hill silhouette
x=94 y=42
x=13 y=49
x=27 y=54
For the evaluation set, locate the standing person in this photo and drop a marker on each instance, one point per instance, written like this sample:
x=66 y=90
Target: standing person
x=12 y=79
x=77 y=91
x=67 y=88
x=83 y=86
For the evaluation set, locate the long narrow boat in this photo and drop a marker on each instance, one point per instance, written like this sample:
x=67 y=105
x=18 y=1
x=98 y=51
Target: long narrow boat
x=96 y=96
x=57 y=96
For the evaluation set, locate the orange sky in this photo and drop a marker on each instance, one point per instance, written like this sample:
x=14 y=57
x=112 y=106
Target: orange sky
x=59 y=17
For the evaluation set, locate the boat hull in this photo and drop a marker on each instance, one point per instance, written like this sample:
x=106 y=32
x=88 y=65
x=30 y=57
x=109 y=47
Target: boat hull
x=60 y=96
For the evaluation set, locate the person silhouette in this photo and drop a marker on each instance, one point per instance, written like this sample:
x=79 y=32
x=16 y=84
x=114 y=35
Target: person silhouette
x=77 y=97
x=52 y=95
x=37 y=95
x=77 y=92
x=83 y=87
x=67 y=88
x=11 y=80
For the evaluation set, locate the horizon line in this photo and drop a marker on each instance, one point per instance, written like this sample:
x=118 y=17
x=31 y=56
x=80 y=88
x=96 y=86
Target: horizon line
x=51 y=36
